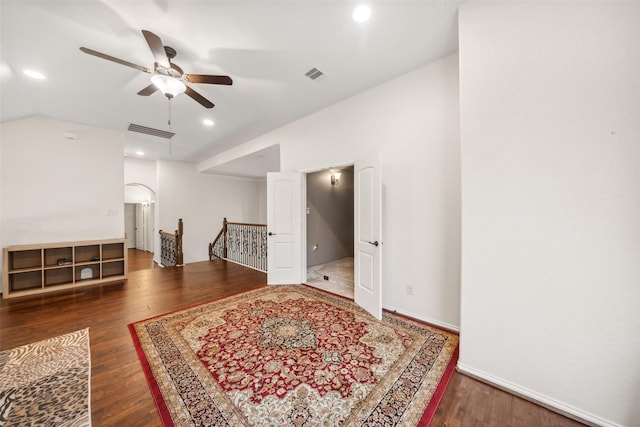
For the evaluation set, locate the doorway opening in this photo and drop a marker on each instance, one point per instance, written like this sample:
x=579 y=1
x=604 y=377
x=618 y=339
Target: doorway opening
x=330 y=230
x=139 y=219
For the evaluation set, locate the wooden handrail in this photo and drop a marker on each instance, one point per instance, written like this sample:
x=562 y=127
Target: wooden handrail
x=246 y=223
x=213 y=244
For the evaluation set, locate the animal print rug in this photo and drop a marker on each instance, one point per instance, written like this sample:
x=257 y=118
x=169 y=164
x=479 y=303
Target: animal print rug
x=47 y=383
x=292 y=356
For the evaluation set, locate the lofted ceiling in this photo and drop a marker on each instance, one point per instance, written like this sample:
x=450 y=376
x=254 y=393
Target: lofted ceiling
x=265 y=46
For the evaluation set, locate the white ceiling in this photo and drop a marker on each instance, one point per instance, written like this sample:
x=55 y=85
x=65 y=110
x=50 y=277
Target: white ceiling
x=265 y=46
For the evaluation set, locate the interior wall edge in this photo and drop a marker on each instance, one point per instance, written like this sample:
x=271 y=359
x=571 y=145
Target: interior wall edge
x=543 y=400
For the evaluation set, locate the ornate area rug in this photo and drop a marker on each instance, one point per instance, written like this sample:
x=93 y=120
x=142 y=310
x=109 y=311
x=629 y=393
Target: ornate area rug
x=47 y=383
x=292 y=356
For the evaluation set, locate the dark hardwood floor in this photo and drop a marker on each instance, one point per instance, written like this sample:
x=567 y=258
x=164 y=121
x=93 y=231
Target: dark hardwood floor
x=119 y=392
x=140 y=260
x=469 y=402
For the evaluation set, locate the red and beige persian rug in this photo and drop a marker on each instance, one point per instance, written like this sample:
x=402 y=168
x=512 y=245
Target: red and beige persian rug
x=47 y=383
x=292 y=356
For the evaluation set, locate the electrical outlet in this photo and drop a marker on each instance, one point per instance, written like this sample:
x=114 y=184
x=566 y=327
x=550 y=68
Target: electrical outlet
x=409 y=290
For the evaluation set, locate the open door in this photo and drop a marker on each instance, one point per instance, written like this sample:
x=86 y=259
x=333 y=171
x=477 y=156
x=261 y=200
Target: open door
x=284 y=228
x=368 y=233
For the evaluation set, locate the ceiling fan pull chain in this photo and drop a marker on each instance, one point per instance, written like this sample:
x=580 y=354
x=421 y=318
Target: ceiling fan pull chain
x=169 y=122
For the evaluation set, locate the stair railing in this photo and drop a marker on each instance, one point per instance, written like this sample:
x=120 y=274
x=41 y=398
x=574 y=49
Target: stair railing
x=242 y=243
x=171 y=247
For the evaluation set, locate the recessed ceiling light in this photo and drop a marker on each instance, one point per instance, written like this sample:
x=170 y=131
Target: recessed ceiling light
x=361 y=13
x=140 y=153
x=34 y=74
x=208 y=122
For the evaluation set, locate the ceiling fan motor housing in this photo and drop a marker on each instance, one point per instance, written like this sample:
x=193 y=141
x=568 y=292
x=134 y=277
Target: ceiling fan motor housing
x=171 y=52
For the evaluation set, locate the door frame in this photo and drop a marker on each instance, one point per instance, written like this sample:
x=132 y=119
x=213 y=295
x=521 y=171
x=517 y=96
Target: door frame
x=375 y=310
x=303 y=200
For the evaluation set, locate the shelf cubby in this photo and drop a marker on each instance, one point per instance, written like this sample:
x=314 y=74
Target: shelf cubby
x=112 y=251
x=29 y=280
x=88 y=253
x=58 y=276
x=87 y=272
x=55 y=257
x=113 y=268
x=27 y=259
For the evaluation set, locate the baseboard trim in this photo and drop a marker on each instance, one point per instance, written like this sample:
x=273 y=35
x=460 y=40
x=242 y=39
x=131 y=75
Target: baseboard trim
x=443 y=325
x=537 y=398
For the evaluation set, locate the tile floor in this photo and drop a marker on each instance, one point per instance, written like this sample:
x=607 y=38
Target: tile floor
x=340 y=274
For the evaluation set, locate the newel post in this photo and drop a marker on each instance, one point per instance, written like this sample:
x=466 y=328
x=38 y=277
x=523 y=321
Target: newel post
x=179 y=255
x=224 y=238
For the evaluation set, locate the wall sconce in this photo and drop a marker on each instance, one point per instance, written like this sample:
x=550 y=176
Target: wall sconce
x=335 y=178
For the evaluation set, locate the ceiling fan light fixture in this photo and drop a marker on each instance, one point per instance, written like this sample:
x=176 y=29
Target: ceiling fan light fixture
x=34 y=74
x=361 y=13
x=169 y=86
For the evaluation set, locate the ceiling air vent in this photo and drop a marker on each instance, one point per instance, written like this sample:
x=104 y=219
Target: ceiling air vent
x=150 y=131
x=314 y=73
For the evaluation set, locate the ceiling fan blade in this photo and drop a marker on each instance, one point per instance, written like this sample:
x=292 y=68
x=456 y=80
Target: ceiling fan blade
x=178 y=69
x=157 y=48
x=148 y=90
x=114 y=59
x=201 y=99
x=214 y=80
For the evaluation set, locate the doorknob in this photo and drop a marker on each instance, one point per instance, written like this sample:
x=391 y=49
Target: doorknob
x=272 y=234
x=374 y=243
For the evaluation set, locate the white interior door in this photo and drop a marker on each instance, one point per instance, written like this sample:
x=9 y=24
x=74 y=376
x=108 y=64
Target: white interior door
x=284 y=228
x=139 y=227
x=368 y=220
x=150 y=231
x=130 y=224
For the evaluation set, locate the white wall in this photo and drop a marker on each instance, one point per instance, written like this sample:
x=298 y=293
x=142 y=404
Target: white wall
x=56 y=189
x=550 y=131
x=140 y=171
x=1 y=180
x=262 y=201
x=135 y=193
x=412 y=122
x=202 y=201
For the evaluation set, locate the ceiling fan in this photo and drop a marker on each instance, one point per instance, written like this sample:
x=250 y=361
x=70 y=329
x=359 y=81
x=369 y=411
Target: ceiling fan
x=165 y=75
